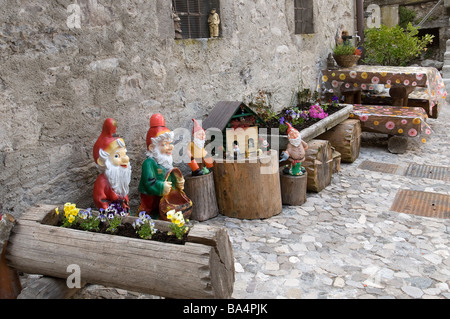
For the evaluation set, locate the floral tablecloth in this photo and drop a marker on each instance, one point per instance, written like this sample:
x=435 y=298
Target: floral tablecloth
x=366 y=77
x=393 y=120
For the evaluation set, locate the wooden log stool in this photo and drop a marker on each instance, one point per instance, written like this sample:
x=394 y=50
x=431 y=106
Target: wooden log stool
x=293 y=189
x=345 y=138
x=319 y=165
x=250 y=188
x=202 y=192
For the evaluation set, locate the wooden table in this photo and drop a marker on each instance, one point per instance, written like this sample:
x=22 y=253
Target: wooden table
x=401 y=82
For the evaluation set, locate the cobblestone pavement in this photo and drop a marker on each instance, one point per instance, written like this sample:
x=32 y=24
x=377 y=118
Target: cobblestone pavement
x=345 y=242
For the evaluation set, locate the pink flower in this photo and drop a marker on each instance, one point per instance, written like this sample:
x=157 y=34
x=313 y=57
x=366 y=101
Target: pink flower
x=419 y=76
x=375 y=80
x=390 y=125
x=404 y=122
x=428 y=131
x=363 y=118
x=412 y=132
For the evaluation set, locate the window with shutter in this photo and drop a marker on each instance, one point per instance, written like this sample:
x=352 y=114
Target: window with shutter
x=304 y=16
x=194 y=16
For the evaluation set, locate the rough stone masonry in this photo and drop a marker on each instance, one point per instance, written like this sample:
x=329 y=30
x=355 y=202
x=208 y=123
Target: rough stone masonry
x=66 y=65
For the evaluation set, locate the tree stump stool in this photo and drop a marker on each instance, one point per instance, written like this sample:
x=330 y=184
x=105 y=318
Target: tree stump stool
x=346 y=139
x=248 y=188
x=319 y=165
x=397 y=144
x=293 y=189
x=202 y=193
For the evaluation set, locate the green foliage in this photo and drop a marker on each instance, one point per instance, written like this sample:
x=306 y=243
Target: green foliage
x=344 y=49
x=406 y=16
x=394 y=46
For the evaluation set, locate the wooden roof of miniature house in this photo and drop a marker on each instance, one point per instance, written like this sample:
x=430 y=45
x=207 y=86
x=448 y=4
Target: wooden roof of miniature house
x=224 y=112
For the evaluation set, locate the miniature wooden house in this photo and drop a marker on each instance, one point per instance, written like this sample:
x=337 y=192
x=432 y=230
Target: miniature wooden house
x=239 y=125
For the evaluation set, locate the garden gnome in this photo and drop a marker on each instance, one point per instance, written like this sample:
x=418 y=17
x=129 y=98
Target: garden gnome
x=153 y=184
x=201 y=162
x=295 y=152
x=213 y=22
x=110 y=155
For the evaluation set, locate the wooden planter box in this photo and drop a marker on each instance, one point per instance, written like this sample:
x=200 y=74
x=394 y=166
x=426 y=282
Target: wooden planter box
x=319 y=160
x=317 y=129
x=202 y=268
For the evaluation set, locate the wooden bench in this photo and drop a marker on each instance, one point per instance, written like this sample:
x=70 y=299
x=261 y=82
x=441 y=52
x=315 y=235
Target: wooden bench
x=400 y=123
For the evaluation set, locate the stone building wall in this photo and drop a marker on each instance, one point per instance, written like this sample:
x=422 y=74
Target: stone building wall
x=67 y=65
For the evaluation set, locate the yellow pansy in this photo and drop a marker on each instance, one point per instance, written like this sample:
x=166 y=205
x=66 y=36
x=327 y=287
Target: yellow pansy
x=57 y=211
x=71 y=219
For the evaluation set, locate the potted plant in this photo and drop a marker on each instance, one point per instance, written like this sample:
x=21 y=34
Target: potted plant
x=346 y=55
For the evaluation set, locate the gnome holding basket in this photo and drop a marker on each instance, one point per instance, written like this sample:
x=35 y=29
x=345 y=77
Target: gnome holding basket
x=161 y=185
x=111 y=157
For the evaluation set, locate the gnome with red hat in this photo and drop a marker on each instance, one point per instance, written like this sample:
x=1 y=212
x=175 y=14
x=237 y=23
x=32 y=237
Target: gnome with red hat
x=295 y=152
x=110 y=155
x=201 y=162
x=153 y=184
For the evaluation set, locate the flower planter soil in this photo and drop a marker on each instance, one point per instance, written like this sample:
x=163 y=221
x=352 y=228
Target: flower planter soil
x=275 y=123
x=127 y=230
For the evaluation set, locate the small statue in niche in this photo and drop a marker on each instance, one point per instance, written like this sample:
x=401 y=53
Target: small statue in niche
x=110 y=155
x=153 y=184
x=201 y=161
x=213 y=22
x=177 y=26
x=295 y=152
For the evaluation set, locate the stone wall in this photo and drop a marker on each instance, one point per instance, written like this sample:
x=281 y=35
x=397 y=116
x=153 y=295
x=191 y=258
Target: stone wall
x=66 y=65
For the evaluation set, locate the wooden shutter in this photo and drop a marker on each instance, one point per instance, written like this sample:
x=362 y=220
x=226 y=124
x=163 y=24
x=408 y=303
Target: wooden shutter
x=304 y=16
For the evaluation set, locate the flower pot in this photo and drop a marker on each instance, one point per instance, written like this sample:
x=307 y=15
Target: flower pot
x=346 y=61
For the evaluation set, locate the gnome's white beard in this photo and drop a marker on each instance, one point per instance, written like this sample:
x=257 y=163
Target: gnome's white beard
x=296 y=141
x=200 y=143
x=118 y=177
x=164 y=160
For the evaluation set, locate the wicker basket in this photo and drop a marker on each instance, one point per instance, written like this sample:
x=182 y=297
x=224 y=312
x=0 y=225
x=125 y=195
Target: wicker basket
x=176 y=199
x=346 y=61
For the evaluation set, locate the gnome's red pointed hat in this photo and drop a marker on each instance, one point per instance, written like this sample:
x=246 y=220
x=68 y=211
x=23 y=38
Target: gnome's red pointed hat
x=157 y=127
x=107 y=141
x=290 y=128
x=197 y=127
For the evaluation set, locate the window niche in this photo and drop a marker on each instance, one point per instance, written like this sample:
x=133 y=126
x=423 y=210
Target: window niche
x=192 y=17
x=304 y=16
